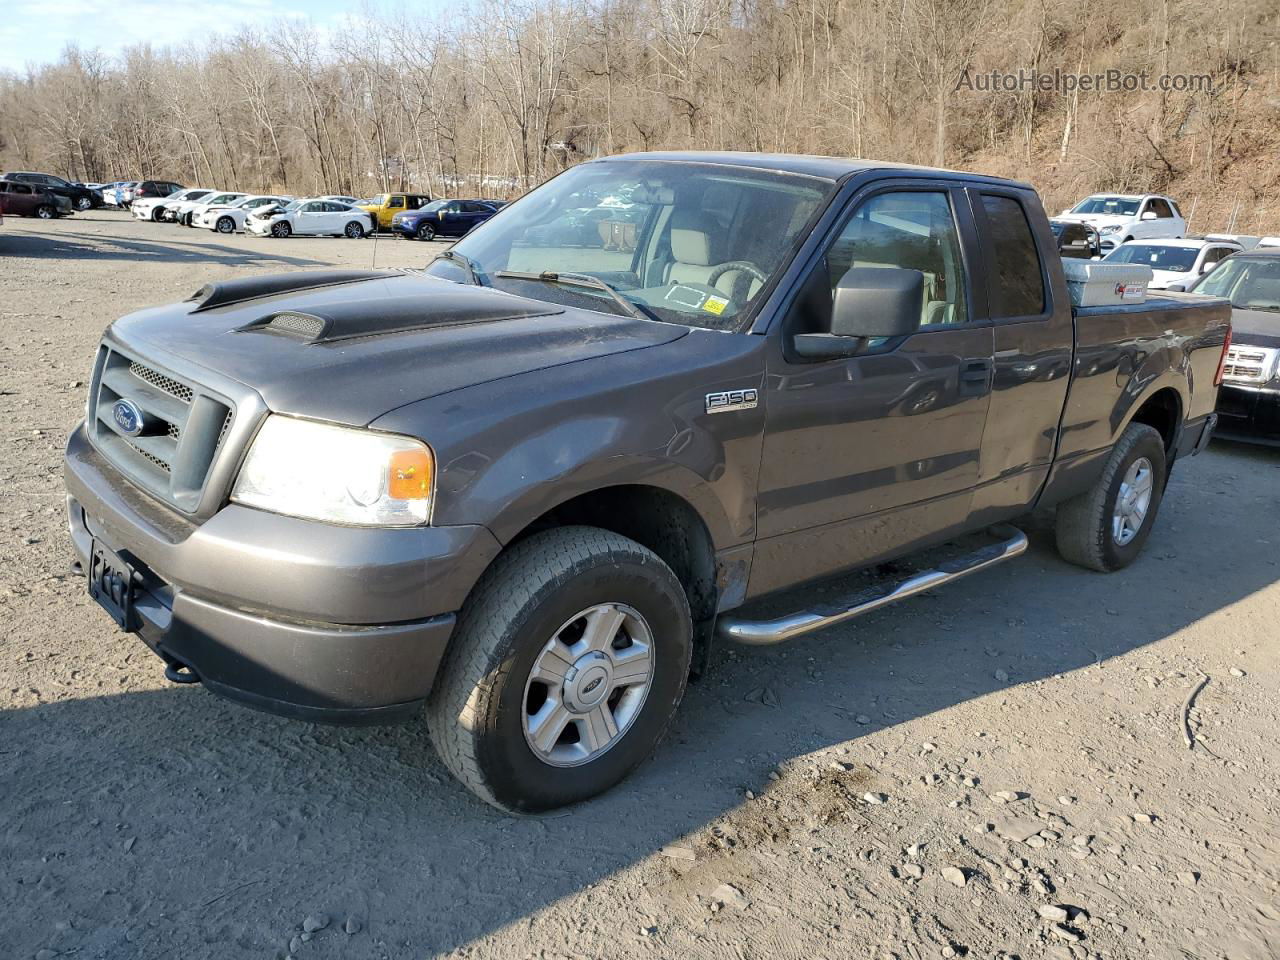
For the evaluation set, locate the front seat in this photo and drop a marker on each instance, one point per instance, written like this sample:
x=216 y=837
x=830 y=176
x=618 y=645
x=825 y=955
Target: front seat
x=696 y=248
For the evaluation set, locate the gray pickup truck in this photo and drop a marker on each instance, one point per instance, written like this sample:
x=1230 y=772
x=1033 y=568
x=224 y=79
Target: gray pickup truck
x=527 y=487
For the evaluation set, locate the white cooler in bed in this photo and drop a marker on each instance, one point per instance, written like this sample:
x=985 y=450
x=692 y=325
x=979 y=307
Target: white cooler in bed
x=1096 y=283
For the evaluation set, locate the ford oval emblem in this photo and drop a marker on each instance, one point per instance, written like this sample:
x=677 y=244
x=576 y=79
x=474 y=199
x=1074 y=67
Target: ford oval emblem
x=127 y=417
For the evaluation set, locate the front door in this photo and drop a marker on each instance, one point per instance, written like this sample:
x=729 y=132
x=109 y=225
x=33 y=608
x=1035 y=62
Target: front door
x=869 y=456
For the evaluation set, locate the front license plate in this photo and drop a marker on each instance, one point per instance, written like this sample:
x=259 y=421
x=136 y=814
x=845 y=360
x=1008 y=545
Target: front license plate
x=111 y=584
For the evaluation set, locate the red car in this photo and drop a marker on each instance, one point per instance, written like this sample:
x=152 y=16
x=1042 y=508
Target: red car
x=28 y=200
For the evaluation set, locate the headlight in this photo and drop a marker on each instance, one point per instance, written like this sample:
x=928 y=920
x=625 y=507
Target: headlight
x=343 y=475
x=1110 y=228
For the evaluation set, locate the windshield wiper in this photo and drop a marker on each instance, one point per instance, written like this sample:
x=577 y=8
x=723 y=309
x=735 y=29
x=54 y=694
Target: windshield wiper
x=639 y=311
x=473 y=271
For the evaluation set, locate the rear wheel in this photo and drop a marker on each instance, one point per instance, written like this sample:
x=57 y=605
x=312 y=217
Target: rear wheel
x=46 y=212
x=354 y=230
x=281 y=229
x=226 y=225
x=1106 y=527
x=426 y=232
x=566 y=667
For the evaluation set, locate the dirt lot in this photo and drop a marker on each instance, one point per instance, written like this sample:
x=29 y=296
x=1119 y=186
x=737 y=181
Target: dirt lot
x=920 y=784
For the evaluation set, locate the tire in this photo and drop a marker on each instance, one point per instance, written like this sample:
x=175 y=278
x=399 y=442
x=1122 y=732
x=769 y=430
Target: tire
x=46 y=212
x=354 y=230
x=1087 y=525
x=83 y=203
x=529 y=600
x=281 y=229
x=226 y=225
x=155 y=215
x=426 y=232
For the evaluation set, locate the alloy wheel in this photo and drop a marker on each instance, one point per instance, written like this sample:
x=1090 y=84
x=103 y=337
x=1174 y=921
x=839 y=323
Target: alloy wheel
x=1132 y=502
x=588 y=684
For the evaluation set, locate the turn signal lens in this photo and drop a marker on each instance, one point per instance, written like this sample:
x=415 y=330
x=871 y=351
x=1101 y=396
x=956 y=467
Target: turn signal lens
x=410 y=475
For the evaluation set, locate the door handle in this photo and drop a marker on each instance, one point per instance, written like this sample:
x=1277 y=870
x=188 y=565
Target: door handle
x=975 y=376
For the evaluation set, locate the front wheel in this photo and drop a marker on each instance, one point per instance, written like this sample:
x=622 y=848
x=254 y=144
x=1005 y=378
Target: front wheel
x=226 y=225
x=1106 y=527
x=83 y=203
x=46 y=212
x=354 y=230
x=567 y=665
x=156 y=214
x=281 y=229
x=426 y=232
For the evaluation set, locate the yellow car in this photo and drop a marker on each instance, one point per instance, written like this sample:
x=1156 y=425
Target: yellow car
x=386 y=205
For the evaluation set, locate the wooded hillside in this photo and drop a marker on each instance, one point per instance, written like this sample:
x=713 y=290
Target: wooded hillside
x=521 y=88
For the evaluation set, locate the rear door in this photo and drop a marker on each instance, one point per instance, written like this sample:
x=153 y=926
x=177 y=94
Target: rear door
x=868 y=456
x=1034 y=339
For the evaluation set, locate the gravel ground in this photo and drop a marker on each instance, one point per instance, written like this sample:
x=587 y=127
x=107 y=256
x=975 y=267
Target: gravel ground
x=997 y=769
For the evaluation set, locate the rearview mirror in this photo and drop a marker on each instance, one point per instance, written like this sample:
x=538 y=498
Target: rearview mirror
x=868 y=302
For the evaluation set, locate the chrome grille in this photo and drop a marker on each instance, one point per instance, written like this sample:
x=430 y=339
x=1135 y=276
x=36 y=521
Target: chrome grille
x=183 y=427
x=1246 y=364
x=159 y=380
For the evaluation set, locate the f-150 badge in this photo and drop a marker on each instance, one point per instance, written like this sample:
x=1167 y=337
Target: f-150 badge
x=728 y=400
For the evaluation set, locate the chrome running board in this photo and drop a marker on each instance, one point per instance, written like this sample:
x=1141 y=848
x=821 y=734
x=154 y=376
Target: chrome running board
x=761 y=633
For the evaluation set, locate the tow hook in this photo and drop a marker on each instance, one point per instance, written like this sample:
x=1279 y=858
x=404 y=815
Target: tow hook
x=176 y=672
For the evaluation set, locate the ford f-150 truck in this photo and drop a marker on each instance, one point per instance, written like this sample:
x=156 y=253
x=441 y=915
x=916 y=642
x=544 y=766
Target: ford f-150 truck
x=527 y=487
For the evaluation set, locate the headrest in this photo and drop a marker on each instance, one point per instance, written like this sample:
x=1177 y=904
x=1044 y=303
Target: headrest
x=692 y=236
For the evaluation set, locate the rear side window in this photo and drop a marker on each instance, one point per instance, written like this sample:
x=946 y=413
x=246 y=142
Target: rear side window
x=1017 y=282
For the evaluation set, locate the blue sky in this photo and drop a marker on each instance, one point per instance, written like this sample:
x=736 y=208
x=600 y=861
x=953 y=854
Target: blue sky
x=35 y=31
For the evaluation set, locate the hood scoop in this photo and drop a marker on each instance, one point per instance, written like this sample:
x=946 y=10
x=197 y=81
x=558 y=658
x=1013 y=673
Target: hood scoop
x=252 y=288
x=442 y=304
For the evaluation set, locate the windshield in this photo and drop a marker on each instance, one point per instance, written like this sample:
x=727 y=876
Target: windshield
x=379 y=201
x=686 y=242
x=1108 y=206
x=1175 y=259
x=1250 y=283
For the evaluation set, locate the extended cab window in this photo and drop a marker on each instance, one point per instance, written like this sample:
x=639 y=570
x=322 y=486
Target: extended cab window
x=914 y=230
x=1017 y=282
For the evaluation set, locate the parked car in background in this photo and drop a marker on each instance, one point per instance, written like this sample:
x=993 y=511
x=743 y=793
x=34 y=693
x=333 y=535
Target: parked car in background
x=192 y=209
x=18 y=199
x=230 y=217
x=164 y=209
x=1269 y=242
x=1079 y=241
x=108 y=192
x=1174 y=262
x=1249 y=400
x=1121 y=217
x=80 y=197
x=314 y=217
x=441 y=218
x=155 y=189
x=386 y=205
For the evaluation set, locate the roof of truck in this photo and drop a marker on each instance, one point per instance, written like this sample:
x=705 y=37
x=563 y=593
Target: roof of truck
x=828 y=168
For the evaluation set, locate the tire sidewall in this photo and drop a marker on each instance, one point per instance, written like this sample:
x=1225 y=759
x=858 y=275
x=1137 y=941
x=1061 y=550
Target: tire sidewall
x=517 y=777
x=1147 y=445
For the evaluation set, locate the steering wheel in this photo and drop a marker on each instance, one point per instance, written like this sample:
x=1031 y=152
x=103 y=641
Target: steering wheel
x=744 y=265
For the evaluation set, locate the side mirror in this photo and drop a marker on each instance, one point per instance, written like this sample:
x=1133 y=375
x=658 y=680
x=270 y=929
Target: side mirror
x=1150 y=215
x=868 y=302
x=1176 y=288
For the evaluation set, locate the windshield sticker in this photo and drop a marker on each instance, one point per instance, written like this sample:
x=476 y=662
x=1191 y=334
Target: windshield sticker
x=686 y=296
x=715 y=305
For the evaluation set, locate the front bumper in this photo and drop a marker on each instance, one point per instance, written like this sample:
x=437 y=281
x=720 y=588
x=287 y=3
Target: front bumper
x=310 y=620
x=400 y=228
x=1250 y=413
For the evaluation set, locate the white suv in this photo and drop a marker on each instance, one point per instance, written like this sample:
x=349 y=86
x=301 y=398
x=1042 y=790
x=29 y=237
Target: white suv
x=1121 y=217
x=1174 y=262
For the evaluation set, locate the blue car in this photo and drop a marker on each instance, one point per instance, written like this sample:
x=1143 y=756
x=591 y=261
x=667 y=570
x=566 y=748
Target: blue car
x=441 y=218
